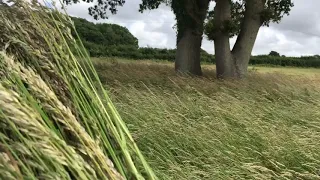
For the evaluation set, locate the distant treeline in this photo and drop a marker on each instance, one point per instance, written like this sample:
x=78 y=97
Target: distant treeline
x=303 y=61
x=131 y=52
x=111 y=40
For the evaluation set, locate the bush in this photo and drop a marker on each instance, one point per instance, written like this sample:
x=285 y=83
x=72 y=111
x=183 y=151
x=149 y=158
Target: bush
x=110 y=40
x=304 y=61
x=274 y=53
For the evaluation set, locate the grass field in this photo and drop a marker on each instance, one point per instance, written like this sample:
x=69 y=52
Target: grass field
x=264 y=127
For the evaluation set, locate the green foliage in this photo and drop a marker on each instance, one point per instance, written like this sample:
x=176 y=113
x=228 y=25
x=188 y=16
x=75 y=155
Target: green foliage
x=100 y=7
x=188 y=14
x=274 y=10
x=53 y=120
x=111 y=40
x=140 y=53
x=152 y=4
x=304 y=61
x=104 y=34
x=182 y=17
x=105 y=39
x=274 y=53
x=231 y=27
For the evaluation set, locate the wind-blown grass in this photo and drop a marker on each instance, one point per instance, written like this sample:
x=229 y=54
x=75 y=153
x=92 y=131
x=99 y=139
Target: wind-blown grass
x=262 y=127
x=58 y=122
x=55 y=123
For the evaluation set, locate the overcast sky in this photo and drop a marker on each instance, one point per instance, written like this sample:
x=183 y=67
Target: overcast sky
x=297 y=34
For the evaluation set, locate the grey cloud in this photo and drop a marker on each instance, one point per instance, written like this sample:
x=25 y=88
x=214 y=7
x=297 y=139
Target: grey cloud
x=297 y=34
x=304 y=18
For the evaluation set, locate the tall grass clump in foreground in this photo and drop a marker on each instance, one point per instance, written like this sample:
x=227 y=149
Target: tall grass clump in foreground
x=56 y=121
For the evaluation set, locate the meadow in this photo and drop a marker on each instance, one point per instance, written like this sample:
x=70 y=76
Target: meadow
x=65 y=116
x=266 y=126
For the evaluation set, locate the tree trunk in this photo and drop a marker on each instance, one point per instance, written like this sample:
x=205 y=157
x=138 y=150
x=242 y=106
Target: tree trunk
x=224 y=60
x=190 y=22
x=188 y=53
x=248 y=35
x=225 y=66
x=235 y=64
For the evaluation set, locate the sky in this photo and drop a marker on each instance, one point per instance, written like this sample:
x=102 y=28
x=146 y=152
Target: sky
x=297 y=34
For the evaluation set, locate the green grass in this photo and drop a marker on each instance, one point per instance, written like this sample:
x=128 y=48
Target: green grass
x=264 y=127
x=287 y=70
x=54 y=122
x=207 y=66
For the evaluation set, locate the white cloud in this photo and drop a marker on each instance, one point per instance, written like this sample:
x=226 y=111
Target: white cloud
x=138 y=29
x=298 y=34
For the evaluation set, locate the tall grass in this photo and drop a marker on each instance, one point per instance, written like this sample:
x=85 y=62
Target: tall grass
x=262 y=127
x=57 y=121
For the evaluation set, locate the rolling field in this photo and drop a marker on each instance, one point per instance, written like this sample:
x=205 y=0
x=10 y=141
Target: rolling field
x=264 y=127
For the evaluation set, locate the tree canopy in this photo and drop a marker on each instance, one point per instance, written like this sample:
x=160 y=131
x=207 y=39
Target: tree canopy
x=104 y=34
x=101 y=7
x=186 y=15
x=273 y=11
x=241 y=18
x=274 y=53
x=119 y=42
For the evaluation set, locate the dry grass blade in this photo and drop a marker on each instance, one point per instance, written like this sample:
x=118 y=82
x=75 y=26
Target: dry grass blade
x=69 y=133
x=61 y=115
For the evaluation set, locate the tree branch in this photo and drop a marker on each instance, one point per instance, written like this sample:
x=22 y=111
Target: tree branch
x=194 y=8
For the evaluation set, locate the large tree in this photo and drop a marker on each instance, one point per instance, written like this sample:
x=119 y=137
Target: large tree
x=229 y=18
x=244 y=19
x=190 y=16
